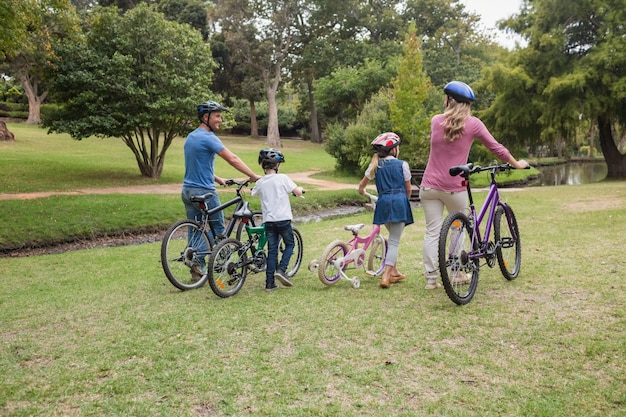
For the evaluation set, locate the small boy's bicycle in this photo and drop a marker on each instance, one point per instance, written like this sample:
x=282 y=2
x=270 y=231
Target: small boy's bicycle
x=462 y=246
x=231 y=259
x=339 y=255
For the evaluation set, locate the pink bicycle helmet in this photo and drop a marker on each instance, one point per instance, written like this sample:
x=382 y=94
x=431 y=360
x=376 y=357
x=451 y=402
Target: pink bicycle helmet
x=386 y=141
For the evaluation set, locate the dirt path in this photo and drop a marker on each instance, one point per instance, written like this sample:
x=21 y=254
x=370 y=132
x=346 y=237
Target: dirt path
x=301 y=178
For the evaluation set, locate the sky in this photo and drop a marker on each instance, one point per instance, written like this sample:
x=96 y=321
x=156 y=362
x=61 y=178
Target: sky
x=493 y=10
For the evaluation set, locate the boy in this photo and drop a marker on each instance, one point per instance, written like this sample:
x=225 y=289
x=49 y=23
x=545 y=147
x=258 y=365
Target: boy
x=273 y=189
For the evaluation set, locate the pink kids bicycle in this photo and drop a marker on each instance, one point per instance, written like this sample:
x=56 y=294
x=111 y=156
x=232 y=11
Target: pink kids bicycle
x=340 y=255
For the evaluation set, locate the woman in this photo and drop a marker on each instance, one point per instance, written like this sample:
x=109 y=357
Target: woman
x=393 y=183
x=452 y=134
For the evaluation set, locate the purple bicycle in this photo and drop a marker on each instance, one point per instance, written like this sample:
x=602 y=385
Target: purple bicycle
x=462 y=246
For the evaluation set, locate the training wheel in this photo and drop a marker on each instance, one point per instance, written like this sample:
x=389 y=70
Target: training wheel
x=313 y=265
x=356 y=282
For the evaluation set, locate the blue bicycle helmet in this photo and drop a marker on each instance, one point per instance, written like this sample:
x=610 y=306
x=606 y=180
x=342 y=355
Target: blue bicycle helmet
x=270 y=156
x=459 y=91
x=209 y=107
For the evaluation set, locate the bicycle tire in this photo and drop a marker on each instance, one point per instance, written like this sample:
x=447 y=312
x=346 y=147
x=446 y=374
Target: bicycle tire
x=377 y=255
x=184 y=243
x=326 y=270
x=227 y=268
x=508 y=243
x=455 y=266
x=296 y=257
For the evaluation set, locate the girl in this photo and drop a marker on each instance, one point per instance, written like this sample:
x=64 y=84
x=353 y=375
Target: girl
x=393 y=183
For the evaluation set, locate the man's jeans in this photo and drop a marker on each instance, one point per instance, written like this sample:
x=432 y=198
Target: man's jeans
x=194 y=213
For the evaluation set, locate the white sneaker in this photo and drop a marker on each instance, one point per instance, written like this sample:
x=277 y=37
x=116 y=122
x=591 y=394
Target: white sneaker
x=432 y=285
x=459 y=277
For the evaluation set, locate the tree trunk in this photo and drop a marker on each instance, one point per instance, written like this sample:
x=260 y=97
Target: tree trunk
x=271 y=87
x=615 y=161
x=34 y=100
x=254 y=125
x=314 y=121
x=592 y=141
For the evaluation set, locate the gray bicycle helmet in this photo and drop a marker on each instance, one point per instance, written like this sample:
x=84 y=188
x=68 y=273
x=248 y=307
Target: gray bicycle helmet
x=209 y=107
x=459 y=91
x=270 y=156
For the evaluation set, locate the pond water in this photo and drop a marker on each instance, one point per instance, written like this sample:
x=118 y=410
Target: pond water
x=571 y=173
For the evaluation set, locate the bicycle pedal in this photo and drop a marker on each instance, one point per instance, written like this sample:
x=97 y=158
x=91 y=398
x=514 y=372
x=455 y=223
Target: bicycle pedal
x=370 y=273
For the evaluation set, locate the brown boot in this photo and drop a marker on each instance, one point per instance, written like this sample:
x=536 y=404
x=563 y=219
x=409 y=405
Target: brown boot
x=384 y=282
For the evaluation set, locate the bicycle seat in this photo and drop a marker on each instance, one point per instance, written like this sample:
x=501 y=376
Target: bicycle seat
x=244 y=211
x=465 y=169
x=200 y=198
x=354 y=228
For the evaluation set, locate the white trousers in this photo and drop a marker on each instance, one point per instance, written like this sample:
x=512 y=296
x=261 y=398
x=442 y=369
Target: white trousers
x=433 y=201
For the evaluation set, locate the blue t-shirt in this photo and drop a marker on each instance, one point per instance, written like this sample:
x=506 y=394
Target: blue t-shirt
x=200 y=149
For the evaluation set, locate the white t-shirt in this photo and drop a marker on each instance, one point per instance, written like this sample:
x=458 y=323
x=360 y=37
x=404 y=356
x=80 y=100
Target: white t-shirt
x=274 y=191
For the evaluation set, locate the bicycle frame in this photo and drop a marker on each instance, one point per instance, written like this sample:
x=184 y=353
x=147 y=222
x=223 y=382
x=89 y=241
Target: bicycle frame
x=463 y=242
x=206 y=216
x=356 y=254
x=489 y=207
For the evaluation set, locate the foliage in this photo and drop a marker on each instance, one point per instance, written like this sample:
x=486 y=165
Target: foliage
x=45 y=24
x=572 y=71
x=350 y=146
x=241 y=113
x=137 y=77
x=407 y=110
x=192 y=12
x=345 y=91
x=261 y=35
x=13 y=27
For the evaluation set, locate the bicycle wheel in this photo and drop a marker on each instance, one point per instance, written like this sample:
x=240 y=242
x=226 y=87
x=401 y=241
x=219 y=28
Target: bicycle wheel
x=227 y=268
x=377 y=255
x=327 y=270
x=185 y=249
x=296 y=257
x=459 y=271
x=508 y=243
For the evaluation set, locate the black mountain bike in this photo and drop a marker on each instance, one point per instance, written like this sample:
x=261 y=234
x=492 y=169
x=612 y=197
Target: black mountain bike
x=187 y=244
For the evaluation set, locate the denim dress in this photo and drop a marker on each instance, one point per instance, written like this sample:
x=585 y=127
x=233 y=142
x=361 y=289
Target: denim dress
x=393 y=204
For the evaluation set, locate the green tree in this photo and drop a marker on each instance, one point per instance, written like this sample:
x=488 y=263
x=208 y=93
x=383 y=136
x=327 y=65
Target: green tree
x=137 y=77
x=13 y=27
x=346 y=90
x=350 y=145
x=407 y=106
x=42 y=26
x=573 y=70
x=261 y=33
x=192 y=12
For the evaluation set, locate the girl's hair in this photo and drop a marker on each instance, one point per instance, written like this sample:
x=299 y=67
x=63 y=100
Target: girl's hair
x=377 y=157
x=454 y=119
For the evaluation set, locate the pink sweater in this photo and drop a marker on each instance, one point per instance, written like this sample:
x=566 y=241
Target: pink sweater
x=444 y=155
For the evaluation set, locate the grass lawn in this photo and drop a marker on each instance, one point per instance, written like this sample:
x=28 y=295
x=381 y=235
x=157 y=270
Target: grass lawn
x=102 y=332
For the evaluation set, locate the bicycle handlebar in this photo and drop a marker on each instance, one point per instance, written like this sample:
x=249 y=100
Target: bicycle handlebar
x=239 y=184
x=469 y=169
x=373 y=198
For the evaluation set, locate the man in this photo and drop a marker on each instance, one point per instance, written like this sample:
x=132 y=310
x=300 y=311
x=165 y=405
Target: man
x=200 y=149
